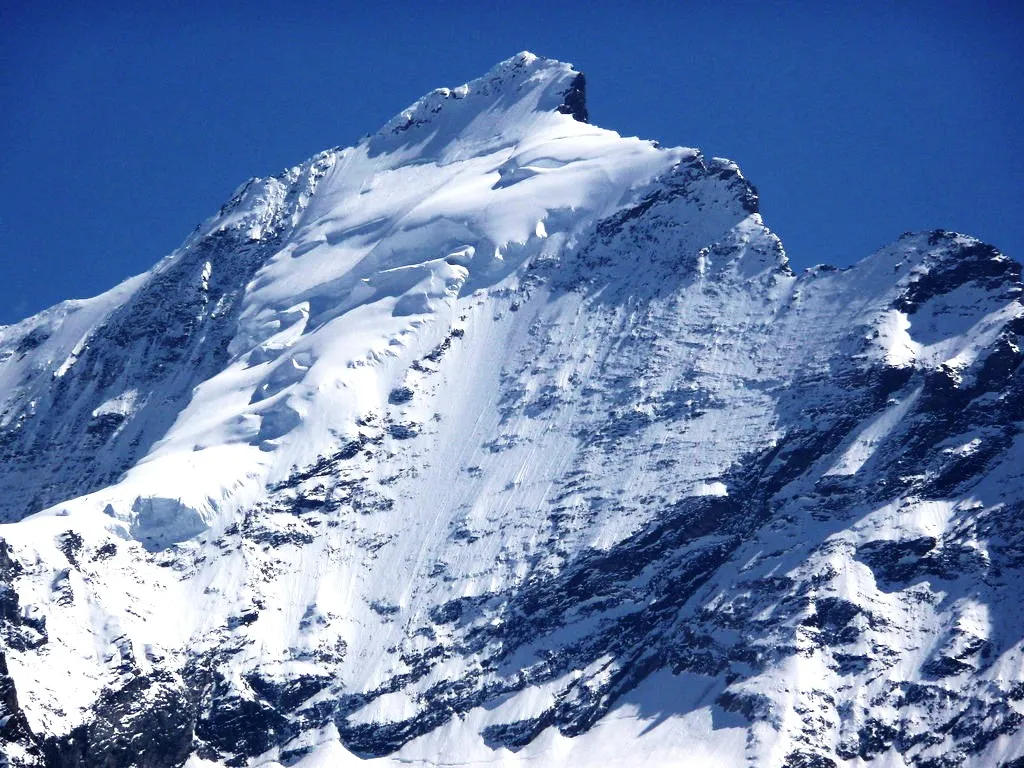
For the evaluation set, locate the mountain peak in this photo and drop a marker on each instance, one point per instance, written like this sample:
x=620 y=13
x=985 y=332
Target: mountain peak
x=500 y=436
x=509 y=98
x=574 y=98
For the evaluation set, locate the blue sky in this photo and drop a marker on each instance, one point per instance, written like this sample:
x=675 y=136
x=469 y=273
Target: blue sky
x=123 y=127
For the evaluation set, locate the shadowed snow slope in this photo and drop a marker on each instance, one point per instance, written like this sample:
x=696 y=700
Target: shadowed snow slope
x=499 y=438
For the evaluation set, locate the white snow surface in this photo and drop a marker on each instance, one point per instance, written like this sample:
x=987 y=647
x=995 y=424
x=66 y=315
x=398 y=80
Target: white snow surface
x=407 y=268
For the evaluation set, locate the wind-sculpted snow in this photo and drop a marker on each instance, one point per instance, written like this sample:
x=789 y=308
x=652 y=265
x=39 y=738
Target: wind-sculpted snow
x=499 y=437
x=89 y=386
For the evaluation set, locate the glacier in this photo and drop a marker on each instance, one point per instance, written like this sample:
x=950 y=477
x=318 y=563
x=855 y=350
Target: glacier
x=501 y=439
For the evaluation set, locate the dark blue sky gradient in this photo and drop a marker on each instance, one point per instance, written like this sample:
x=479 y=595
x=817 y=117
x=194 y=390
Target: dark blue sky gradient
x=123 y=127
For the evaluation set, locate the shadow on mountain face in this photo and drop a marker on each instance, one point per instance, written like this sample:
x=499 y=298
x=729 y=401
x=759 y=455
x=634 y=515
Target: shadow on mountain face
x=170 y=336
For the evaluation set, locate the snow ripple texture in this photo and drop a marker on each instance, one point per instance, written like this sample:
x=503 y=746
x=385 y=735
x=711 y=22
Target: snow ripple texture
x=502 y=439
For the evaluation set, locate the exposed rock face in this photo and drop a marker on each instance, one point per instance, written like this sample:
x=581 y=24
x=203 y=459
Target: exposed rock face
x=501 y=432
x=575 y=103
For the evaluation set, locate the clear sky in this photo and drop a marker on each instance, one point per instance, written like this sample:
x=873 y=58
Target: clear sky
x=125 y=125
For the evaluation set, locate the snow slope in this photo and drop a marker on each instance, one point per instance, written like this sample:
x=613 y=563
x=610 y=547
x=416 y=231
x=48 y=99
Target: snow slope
x=499 y=438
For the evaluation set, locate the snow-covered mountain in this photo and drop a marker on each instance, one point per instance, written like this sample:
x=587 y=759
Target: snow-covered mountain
x=501 y=439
